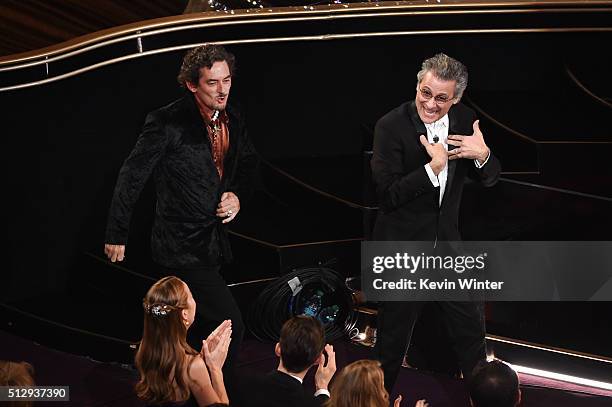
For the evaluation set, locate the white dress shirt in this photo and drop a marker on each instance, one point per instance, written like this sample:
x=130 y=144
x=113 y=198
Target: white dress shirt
x=317 y=393
x=440 y=128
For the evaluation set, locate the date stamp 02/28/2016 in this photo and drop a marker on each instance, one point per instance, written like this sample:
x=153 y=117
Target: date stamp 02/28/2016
x=34 y=393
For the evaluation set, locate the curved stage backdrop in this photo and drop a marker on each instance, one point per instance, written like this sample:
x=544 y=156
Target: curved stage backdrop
x=313 y=83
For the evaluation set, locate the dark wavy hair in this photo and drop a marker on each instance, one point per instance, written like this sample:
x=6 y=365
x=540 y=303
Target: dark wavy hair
x=203 y=56
x=160 y=359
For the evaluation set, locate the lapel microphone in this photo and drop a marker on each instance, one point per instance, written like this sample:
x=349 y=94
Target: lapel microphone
x=436 y=139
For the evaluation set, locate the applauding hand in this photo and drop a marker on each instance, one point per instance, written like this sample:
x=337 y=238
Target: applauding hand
x=325 y=372
x=420 y=403
x=214 y=348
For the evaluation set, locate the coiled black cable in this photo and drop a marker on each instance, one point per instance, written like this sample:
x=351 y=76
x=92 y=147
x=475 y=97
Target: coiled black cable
x=323 y=295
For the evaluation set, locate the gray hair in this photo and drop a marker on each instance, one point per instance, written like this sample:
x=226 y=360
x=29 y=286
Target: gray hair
x=447 y=69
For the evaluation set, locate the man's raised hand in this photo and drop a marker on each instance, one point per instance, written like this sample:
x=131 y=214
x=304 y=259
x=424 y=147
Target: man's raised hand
x=114 y=252
x=438 y=155
x=325 y=372
x=471 y=147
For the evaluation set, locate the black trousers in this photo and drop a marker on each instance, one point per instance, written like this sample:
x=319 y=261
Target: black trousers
x=463 y=320
x=214 y=304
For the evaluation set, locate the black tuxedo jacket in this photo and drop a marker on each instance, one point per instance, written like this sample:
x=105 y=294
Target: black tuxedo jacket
x=175 y=149
x=409 y=206
x=277 y=389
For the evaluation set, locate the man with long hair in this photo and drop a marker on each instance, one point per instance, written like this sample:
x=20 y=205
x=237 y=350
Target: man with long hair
x=202 y=163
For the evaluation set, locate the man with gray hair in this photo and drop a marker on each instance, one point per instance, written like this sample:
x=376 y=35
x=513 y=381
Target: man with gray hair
x=423 y=151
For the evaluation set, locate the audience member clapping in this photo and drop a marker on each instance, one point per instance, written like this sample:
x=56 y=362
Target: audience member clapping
x=361 y=384
x=171 y=371
x=494 y=384
x=301 y=346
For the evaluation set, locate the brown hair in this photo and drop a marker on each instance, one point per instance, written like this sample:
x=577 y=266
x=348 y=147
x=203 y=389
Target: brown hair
x=302 y=340
x=16 y=374
x=360 y=384
x=200 y=57
x=160 y=359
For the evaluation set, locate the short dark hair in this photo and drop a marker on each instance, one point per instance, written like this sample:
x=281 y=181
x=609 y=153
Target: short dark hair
x=203 y=56
x=302 y=340
x=494 y=384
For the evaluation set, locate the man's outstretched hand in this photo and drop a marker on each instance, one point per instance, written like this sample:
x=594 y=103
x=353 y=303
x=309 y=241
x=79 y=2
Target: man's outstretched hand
x=114 y=252
x=471 y=147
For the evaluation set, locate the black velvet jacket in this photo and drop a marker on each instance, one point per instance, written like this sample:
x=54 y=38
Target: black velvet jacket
x=174 y=148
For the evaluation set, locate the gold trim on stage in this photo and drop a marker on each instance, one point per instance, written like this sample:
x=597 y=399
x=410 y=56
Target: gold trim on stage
x=330 y=12
x=585 y=89
x=538 y=346
x=324 y=37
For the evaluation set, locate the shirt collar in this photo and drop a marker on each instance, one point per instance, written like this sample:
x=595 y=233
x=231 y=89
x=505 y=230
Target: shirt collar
x=296 y=377
x=207 y=113
x=438 y=124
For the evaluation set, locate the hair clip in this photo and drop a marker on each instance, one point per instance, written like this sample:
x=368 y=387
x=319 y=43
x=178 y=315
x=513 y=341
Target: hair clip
x=159 y=310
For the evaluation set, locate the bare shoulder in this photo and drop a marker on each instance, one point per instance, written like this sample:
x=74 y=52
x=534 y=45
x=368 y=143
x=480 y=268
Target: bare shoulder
x=199 y=381
x=195 y=363
x=196 y=370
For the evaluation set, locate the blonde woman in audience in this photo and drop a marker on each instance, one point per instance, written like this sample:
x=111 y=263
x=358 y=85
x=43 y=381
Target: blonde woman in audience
x=361 y=384
x=172 y=373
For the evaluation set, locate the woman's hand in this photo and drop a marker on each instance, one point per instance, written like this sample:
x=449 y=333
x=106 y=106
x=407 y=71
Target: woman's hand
x=214 y=348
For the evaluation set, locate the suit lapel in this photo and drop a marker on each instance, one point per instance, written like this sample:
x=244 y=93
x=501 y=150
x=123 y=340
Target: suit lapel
x=234 y=139
x=452 y=164
x=195 y=123
x=419 y=127
x=194 y=118
x=233 y=129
